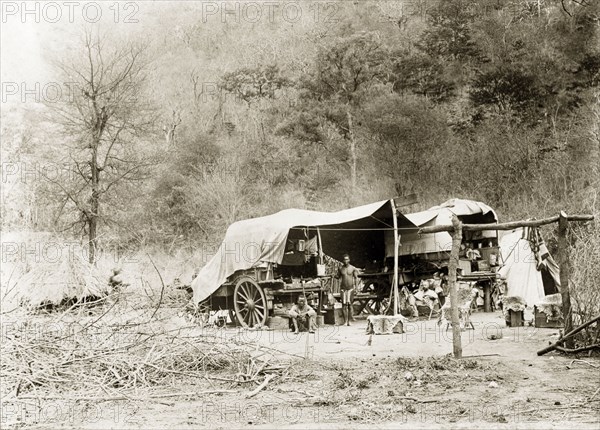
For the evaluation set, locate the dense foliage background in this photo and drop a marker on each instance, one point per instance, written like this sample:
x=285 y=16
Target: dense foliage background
x=490 y=100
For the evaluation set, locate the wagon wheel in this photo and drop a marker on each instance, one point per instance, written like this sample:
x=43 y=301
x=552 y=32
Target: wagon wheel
x=379 y=306
x=250 y=302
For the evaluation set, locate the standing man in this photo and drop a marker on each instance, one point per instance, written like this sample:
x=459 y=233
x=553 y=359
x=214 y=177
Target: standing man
x=348 y=274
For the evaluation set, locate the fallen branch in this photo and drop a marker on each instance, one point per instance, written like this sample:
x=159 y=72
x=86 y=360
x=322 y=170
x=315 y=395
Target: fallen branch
x=114 y=398
x=261 y=386
x=553 y=408
x=414 y=399
x=480 y=355
x=162 y=288
x=582 y=361
x=569 y=335
x=576 y=350
x=305 y=393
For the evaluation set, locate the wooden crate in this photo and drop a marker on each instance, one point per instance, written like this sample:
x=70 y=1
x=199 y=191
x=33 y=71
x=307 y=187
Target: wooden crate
x=333 y=317
x=515 y=319
x=542 y=321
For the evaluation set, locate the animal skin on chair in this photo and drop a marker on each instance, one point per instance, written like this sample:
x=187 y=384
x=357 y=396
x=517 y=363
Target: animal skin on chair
x=466 y=296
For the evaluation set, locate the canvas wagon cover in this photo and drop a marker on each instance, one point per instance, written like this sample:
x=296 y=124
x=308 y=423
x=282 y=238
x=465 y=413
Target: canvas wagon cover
x=250 y=242
x=413 y=243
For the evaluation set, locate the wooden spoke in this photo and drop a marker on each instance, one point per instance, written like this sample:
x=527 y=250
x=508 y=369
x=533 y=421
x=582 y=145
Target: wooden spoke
x=244 y=292
x=243 y=295
x=250 y=302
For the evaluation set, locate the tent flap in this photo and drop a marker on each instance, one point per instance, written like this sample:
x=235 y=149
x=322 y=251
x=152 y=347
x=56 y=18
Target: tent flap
x=520 y=268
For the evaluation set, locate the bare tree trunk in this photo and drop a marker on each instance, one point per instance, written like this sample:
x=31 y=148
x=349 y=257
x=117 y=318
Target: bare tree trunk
x=92 y=238
x=353 y=156
x=595 y=137
x=169 y=129
x=94 y=205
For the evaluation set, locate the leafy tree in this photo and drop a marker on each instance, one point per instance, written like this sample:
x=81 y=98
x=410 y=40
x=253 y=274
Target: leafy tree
x=505 y=89
x=421 y=75
x=410 y=136
x=449 y=34
x=344 y=70
x=250 y=84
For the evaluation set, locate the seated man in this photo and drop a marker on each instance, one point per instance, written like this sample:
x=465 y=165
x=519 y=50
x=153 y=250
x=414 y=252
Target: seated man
x=408 y=302
x=426 y=296
x=302 y=316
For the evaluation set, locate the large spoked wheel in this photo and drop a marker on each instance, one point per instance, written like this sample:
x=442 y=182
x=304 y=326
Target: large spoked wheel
x=379 y=306
x=250 y=302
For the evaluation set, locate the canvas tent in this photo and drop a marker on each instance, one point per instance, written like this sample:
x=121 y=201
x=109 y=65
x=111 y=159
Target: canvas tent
x=468 y=211
x=359 y=231
x=520 y=269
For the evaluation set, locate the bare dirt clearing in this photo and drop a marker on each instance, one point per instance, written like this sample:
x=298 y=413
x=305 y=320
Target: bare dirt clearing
x=398 y=381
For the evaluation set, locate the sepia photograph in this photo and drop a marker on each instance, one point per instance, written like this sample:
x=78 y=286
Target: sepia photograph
x=300 y=214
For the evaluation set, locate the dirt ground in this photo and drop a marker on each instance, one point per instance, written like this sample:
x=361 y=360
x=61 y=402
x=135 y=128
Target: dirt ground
x=335 y=379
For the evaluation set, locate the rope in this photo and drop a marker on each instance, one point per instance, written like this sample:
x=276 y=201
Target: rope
x=360 y=229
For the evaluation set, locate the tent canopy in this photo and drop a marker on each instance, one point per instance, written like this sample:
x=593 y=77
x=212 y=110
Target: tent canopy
x=358 y=231
x=364 y=232
x=469 y=211
x=523 y=279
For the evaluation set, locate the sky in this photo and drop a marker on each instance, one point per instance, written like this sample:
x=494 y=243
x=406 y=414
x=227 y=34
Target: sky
x=33 y=32
x=20 y=52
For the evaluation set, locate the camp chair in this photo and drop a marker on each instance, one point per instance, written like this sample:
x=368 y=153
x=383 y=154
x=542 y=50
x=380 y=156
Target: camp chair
x=465 y=300
x=432 y=305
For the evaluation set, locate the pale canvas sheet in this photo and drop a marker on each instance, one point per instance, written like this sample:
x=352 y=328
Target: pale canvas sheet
x=250 y=242
x=519 y=269
x=413 y=243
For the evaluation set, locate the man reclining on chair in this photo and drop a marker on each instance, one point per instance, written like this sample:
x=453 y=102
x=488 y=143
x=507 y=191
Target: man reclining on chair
x=302 y=316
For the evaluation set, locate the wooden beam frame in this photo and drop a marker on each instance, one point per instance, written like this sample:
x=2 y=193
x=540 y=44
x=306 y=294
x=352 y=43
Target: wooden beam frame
x=506 y=225
x=456 y=230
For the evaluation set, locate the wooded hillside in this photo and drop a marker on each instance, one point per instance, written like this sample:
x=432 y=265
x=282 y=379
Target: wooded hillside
x=190 y=120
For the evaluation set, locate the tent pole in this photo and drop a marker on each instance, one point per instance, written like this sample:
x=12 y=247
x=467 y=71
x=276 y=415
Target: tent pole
x=320 y=246
x=395 y=282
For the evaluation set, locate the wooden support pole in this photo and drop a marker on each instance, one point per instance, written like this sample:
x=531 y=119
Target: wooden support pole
x=396 y=243
x=452 y=281
x=565 y=267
